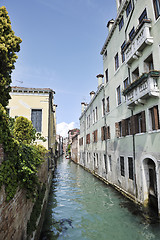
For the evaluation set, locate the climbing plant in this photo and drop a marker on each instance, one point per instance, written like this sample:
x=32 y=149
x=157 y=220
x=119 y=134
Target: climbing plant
x=20 y=166
x=23 y=130
x=9 y=45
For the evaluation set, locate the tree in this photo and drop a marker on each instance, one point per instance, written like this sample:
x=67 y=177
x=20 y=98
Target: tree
x=9 y=44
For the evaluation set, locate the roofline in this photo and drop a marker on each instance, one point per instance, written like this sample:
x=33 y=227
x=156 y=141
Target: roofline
x=119 y=15
x=43 y=90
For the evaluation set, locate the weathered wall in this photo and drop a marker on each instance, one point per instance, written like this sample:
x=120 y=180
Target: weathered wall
x=15 y=214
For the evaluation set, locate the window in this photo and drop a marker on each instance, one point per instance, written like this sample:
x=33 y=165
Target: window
x=143 y=16
x=154 y=116
x=108 y=107
x=93 y=117
x=156 y=4
x=89 y=119
x=36 y=118
x=132 y=34
x=135 y=74
x=110 y=163
x=88 y=139
x=119 y=95
x=128 y=126
x=148 y=64
x=105 y=162
x=116 y=61
x=118 y=128
x=95 y=136
x=126 y=83
x=106 y=74
x=122 y=166
x=129 y=8
x=81 y=141
x=103 y=133
x=130 y=167
x=121 y=23
x=122 y=51
x=138 y=123
x=103 y=107
x=96 y=114
x=108 y=132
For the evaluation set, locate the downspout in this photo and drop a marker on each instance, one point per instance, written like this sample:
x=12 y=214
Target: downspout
x=134 y=159
x=105 y=123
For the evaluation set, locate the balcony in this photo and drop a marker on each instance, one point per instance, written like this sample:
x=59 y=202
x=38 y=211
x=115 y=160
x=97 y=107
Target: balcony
x=142 y=88
x=141 y=39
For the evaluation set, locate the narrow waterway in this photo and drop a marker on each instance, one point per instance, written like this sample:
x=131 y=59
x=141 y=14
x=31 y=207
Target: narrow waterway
x=81 y=207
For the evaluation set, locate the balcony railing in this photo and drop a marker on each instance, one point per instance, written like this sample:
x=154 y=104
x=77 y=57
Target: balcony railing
x=143 y=87
x=141 y=38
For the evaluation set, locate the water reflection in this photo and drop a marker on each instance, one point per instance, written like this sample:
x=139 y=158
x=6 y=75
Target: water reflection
x=83 y=208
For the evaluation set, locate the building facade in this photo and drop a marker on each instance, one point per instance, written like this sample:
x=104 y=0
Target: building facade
x=75 y=148
x=36 y=104
x=122 y=145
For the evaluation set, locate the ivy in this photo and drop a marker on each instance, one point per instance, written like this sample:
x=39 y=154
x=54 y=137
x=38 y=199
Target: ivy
x=21 y=163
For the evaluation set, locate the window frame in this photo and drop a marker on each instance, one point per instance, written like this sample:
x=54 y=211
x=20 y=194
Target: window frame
x=35 y=125
x=119 y=99
x=131 y=168
x=116 y=60
x=122 y=166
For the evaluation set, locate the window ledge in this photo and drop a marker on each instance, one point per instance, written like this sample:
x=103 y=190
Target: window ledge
x=154 y=131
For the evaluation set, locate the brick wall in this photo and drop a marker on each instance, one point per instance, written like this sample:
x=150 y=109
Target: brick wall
x=15 y=214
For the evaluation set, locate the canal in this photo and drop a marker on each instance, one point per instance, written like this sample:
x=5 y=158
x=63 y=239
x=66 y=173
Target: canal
x=81 y=207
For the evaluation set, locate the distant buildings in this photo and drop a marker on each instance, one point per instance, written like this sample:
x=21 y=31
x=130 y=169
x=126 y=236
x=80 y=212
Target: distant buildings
x=36 y=104
x=75 y=148
x=59 y=145
x=120 y=128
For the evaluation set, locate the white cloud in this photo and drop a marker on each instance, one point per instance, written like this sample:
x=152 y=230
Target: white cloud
x=63 y=128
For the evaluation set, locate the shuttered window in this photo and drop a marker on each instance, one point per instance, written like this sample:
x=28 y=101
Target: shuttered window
x=81 y=141
x=103 y=133
x=154 y=114
x=88 y=139
x=36 y=118
x=95 y=136
x=108 y=132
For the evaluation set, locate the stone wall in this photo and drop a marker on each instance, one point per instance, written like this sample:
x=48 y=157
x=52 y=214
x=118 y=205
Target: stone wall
x=15 y=214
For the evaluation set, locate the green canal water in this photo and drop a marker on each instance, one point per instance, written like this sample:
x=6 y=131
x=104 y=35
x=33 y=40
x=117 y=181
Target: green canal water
x=81 y=207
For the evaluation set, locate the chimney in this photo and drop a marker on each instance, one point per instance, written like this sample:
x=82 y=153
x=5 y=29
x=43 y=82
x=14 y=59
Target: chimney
x=110 y=24
x=82 y=106
x=92 y=94
x=100 y=79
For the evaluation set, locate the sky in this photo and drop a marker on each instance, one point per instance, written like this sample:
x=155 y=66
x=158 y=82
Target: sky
x=60 y=49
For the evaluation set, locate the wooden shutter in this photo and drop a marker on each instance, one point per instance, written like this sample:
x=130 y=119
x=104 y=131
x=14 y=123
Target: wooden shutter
x=108 y=132
x=96 y=135
x=36 y=118
x=117 y=129
x=156 y=118
x=102 y=133
x=133 y=128
x=143 y=122
x=123 y=122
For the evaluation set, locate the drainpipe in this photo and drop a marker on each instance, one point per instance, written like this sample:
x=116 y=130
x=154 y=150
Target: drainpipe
x=134 y=159
x=105 y=123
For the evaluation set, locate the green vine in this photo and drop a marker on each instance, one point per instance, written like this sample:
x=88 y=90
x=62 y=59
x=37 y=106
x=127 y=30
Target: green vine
x=20 y=166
